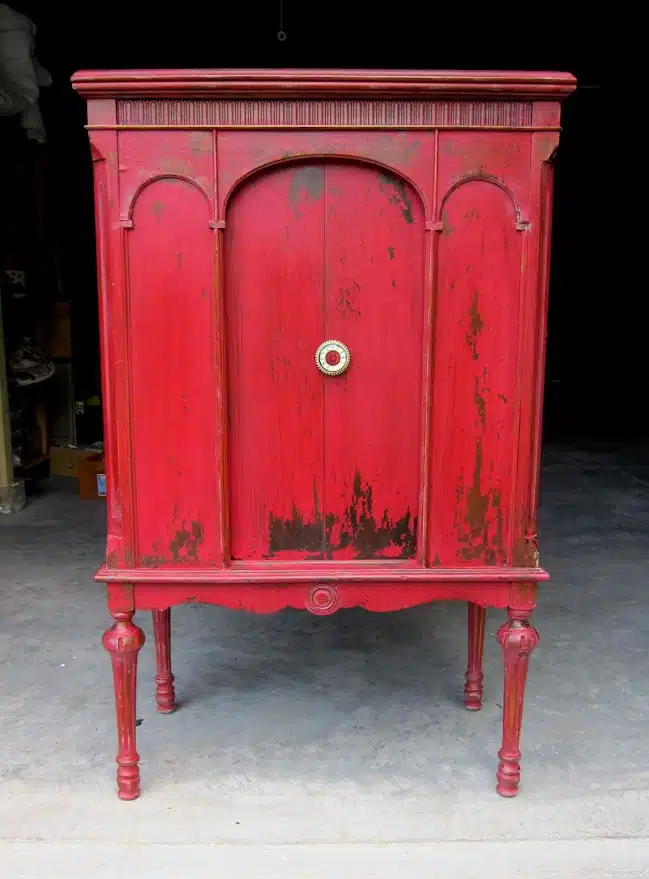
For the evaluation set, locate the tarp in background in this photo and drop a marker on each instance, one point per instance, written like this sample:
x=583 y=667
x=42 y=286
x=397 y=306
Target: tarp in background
x=21 y=74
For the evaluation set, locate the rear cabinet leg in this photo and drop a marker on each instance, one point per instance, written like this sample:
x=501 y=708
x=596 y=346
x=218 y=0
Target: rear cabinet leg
x=473 y=678
x=165 y=695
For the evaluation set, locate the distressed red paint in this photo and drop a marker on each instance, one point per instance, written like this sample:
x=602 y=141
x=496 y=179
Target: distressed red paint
x=243 y=219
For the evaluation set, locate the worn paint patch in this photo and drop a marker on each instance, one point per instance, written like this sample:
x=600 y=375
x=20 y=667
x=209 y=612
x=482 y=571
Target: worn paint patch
x=476 y=325
x=477 y=503
x=391 y=251
x=307 y=183
x=368 y=535
x=526 y=551
x=398 y=194
x=480 y=403
x=359 y=530
x=200 y=143
x=347 y=299
x=158 y=209
x=152 y=561
x=175 y=165
x=480 y=529
x=447 y=227
x=295 y=533
x=185 y=544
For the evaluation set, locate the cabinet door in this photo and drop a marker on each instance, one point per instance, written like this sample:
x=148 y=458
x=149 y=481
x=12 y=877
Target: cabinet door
x=374 y=281
x=324 y=466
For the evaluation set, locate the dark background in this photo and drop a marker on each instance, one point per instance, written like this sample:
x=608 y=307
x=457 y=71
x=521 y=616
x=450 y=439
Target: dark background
x=596 y=375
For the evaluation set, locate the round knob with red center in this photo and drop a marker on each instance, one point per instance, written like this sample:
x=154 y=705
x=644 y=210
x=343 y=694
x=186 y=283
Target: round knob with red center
x=332 y=357
x=322 y=599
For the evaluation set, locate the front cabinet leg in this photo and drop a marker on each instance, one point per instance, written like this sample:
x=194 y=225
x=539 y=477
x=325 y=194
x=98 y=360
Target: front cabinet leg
x=518 y=638
x=165 y=695
x=123 y=641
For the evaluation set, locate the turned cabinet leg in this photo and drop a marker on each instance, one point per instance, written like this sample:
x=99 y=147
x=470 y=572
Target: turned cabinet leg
x=165 y=695
x=474 y=677
x=518 y=638
x=123 y=641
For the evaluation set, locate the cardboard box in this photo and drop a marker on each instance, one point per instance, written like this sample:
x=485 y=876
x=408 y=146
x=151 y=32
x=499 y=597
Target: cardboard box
x=90 y=471
x=65 y=460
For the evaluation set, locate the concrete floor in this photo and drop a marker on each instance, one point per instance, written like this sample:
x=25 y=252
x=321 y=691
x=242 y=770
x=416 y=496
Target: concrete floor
x=314 y=747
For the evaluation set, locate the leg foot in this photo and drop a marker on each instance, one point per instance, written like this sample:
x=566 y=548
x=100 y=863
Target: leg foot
x=123 y=641
x=474 y=677
x=165 y=695
x=518 y=638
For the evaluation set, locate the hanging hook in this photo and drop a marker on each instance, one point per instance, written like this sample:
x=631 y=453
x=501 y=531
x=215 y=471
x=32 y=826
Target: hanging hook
x=281 y=33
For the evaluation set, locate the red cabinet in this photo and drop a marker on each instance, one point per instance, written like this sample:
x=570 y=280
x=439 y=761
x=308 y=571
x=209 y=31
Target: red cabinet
x=323 y=300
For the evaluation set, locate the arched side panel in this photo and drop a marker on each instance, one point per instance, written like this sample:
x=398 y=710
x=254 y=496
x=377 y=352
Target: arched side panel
x=176 y=434
x=474 y=423
x=147 y=155
x=408 y=153
x=500 y=156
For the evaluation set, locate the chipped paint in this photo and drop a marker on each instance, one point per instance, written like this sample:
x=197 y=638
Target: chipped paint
x=346 y=303
x=480 y=529
x=359 y=530
x=200 y=143
x=391 y=251
x=476 y=325
x=175 y=165
x=447 y=227
x=370 y=538
x=295 y=533
x=398 y=194
x=152 y=561
x=307 y=183
x=480 y=403
x=526 y=552
x=477 y=503
x=186 y=542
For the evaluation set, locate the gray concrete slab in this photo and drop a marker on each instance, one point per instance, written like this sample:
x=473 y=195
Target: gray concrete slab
x=599 y=859
x=338 y=731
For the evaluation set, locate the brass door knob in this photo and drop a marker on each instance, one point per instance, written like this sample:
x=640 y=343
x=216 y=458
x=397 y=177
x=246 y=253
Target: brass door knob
x=332 y=357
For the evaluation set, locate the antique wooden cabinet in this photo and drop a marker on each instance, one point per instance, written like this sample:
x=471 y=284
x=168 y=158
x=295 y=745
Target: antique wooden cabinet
x=323 y=305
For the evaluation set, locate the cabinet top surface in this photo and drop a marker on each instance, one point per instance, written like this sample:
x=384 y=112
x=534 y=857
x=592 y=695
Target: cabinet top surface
x=397 y=84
